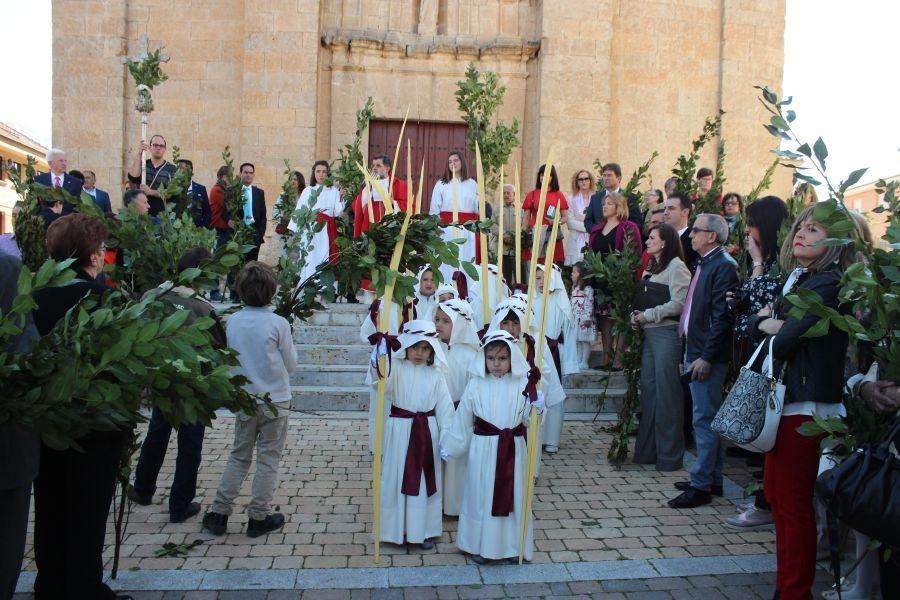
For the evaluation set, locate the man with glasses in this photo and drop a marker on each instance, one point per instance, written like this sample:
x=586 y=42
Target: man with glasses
x=159 y=171
x=706 y=326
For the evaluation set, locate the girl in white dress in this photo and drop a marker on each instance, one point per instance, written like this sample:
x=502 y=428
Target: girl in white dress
x=490 y=428
x=420 y=414
x=329 y=205
x=453 y=321
x=583 y=309
x=456 y=176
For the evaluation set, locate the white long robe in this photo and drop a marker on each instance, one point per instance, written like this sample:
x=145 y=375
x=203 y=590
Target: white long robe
x=459 y=357
x=499 y=401
x=414 y=388
x=558 y=322
x=329 y=203
x=466 y=202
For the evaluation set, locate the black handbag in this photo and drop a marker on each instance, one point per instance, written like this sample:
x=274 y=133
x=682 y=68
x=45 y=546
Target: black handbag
x=649 y=294
x=864 y=492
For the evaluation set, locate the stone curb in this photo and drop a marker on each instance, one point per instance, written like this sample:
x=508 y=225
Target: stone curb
x=401 y=577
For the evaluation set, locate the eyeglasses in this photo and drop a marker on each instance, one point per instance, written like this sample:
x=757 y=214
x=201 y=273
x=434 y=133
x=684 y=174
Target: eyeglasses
x=701 y=230
x=157 y=145
x=583 y=179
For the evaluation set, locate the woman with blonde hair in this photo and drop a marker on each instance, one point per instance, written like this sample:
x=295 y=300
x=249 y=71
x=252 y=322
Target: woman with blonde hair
x=583 y=187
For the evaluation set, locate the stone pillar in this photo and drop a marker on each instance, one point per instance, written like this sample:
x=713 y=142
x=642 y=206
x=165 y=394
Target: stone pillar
x=88 y=88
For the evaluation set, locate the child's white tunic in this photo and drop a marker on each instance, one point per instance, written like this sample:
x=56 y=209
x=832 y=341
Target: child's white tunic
x=499 y=401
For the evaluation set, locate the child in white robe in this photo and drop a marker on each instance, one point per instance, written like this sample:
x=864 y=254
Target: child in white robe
x=490 y=428
x=446 y=292
x=420 y=414
x=426 y=297
x=561 y=331
x=453 y=321
x=476 y=291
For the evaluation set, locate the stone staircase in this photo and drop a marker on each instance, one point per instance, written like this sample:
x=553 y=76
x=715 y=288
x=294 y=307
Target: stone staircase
x=332 y=362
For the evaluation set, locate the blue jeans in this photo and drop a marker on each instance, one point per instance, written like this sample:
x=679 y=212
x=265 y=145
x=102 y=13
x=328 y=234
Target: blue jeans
x=707 y=396
x=187 y=461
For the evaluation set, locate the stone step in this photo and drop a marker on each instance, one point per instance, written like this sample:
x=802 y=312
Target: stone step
x=338 y=315
x=356 y=397
x=329 y=334
x=333 y=354
x=594 y=378
x=329 y=375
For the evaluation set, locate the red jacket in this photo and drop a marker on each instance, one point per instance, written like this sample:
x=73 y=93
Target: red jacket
x=361 y=214
x=218 y=215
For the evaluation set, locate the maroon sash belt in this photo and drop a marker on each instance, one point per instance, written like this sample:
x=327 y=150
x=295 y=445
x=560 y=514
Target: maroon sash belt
x=504 y=478
x=419 y=454
x=553 y=345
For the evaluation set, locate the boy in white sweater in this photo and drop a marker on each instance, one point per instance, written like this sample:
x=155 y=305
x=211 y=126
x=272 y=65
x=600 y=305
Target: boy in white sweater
x=267 y=358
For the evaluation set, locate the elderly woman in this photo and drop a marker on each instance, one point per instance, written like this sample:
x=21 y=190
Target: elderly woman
x=612 y=234
x=73 y=489
x=583 y=187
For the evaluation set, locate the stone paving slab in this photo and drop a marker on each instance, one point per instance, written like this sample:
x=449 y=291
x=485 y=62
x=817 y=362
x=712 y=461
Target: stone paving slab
x=585 y=512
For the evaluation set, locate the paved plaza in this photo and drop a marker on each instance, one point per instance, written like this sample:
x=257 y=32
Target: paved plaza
x=597 y=531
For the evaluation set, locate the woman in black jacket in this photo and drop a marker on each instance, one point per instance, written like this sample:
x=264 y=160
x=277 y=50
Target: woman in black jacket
x=73 y=489
x=812 y=370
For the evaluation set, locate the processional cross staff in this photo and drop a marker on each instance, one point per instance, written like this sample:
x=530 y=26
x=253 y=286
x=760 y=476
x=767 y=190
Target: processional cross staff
x=145 y=69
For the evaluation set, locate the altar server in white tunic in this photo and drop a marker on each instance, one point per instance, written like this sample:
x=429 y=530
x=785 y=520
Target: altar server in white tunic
x=421 y=413
x=490 y=427
x=510 y=316
x=453 y=321
x=456 y=177
x=426 y=294
x=329 y=205
x=475 y=292
x=560 y=330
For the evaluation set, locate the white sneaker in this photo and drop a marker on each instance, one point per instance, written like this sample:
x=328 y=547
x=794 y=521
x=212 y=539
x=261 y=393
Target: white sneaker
x=848 y=594
x=551 y=449
x=751 y=518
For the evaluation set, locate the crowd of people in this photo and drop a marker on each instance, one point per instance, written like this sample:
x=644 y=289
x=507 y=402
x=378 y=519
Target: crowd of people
x=459 y=385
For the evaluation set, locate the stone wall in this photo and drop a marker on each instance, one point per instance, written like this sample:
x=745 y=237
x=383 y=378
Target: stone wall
x=608 y=79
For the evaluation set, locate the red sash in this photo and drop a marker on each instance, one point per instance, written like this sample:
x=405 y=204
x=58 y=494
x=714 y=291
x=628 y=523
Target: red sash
x=504 y=477
x=419 y=454
x=331 y=228
x=553 y=345
x=464 y=217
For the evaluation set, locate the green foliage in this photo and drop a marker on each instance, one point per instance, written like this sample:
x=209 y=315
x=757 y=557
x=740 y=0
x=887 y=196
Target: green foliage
x=176 y=550
x=345 y=174
x=242 y=233
x=614 y=277
x=478 y=98
x=105 y=357
x=147 y=74
x=685 y=169
x=639 y=175
x=709 y=202
x=287 y=201
x=370 y=254
x=28 y=226
x=174 y=193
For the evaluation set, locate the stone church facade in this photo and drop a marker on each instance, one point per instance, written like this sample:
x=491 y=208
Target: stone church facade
x=275 y=79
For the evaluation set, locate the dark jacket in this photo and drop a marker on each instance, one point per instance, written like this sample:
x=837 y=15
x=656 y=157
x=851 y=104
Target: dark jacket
x=690 y=255
x=71 y=184
x=594 y=213
x=710 y=322
x=813 y=366
x=259 y=215
x=101 y=199
x=200 y=205
x=54 y=302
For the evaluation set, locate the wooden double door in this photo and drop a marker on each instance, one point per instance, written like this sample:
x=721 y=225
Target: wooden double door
x=432 y=142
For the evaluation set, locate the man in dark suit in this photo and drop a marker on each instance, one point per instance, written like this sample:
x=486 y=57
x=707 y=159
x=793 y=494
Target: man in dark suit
x=101 y=198
x=677 y=213
x=612 y=178
x=254 y=210
x=199 y=199
x=706 y=325
x=58 y=178
x=19 y=451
